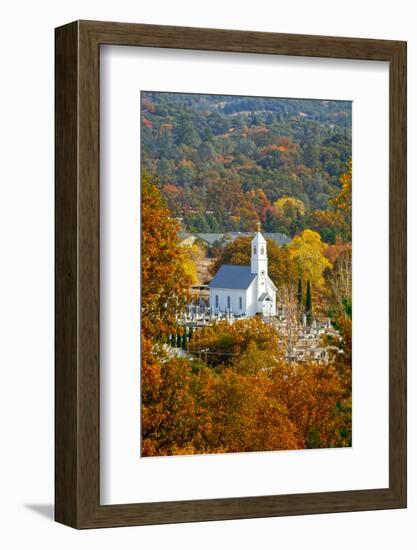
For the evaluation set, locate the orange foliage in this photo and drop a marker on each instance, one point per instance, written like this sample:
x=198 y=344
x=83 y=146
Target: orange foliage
x=283 y=145
x=333 y=251
x=343 y=201
x=228 y=341
x=164 y=281
x=310 y=393
x=172 y=188
x=254 y=401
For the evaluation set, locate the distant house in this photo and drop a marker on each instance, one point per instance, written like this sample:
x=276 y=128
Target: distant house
x=224 y=238
x=279 y=238
x=210 y=238
x=186 y=239
x=245 y=290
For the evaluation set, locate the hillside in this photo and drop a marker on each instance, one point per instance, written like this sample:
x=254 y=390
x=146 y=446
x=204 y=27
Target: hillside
x=225 y=162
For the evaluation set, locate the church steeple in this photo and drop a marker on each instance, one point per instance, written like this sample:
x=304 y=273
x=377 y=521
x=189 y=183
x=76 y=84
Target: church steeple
x=259 y=258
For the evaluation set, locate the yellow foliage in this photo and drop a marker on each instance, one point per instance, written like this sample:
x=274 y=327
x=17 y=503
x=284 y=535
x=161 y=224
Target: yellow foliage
x=290 y=208
x=343 y=201
x=307 y=250
x=191 y=255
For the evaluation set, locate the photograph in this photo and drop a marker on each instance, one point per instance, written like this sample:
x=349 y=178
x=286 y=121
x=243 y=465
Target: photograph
x=209 y=266
x=246 y=274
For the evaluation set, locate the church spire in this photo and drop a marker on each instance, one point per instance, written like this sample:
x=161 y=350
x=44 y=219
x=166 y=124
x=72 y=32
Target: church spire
x=259 y=258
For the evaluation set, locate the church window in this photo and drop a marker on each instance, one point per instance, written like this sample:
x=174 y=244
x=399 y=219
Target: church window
x=240 y=302
x=217 y=300
x=262 y=250
x=254 y=250
x=228 y=302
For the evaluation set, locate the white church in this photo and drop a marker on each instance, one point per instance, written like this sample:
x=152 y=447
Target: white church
x=245 y=290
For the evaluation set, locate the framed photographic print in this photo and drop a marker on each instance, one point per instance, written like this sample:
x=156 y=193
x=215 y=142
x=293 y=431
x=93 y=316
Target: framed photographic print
x=230 y=274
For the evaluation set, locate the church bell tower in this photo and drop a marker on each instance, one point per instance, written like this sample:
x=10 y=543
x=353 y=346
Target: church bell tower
x=259 y=260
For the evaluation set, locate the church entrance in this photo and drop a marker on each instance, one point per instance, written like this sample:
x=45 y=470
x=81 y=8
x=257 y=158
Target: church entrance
x=267 y=307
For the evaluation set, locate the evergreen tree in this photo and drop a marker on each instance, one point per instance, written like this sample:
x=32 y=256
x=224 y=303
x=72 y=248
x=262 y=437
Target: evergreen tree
x=300 y=293
x=185 y=133
x=269 y=224
x=308 y=302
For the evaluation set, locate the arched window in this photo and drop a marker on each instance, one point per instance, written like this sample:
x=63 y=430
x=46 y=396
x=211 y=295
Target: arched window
x=254 y=249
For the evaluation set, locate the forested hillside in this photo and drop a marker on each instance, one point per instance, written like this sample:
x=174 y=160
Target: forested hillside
x=225 y=162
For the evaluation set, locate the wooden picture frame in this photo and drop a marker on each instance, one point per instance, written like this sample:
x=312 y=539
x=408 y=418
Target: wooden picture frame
x=77 y=406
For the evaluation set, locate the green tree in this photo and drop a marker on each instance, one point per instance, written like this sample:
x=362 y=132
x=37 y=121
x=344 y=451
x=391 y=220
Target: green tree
x=185 y=133
x=299 y=292
x=309 y=306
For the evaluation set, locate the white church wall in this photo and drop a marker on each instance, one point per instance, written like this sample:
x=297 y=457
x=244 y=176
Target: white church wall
x=234 y=294
x=251 y=299
x=254 y=297
x=273 y=293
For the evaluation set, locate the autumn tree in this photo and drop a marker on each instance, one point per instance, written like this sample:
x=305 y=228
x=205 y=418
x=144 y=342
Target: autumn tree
x=291 y=300
x=339 y=281
x=290 y=213
x=328 y=223
x=246 y=415
x=164 y=280
x=340 y=352
x=311 y=393
x=250 y=399
x=227 y=342
x=290 y=208
x=198 y=410
x=343 y=200
x=337 y=220
x=191 y=258
x=307 y=251
x=169 y=417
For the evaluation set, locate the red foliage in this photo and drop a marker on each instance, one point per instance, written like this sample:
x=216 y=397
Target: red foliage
x=147 y=123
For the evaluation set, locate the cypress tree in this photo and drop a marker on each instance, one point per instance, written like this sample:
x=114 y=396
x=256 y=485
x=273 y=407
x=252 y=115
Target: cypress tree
x=179 y=339
x=308 y=302
x=300 y=293
x=184 y=341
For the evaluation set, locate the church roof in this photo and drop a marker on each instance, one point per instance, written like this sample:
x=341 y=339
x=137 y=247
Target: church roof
x=224 y=238
x=210 y=238
x=279 y=238
x=233 y=276
x=264 y=296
